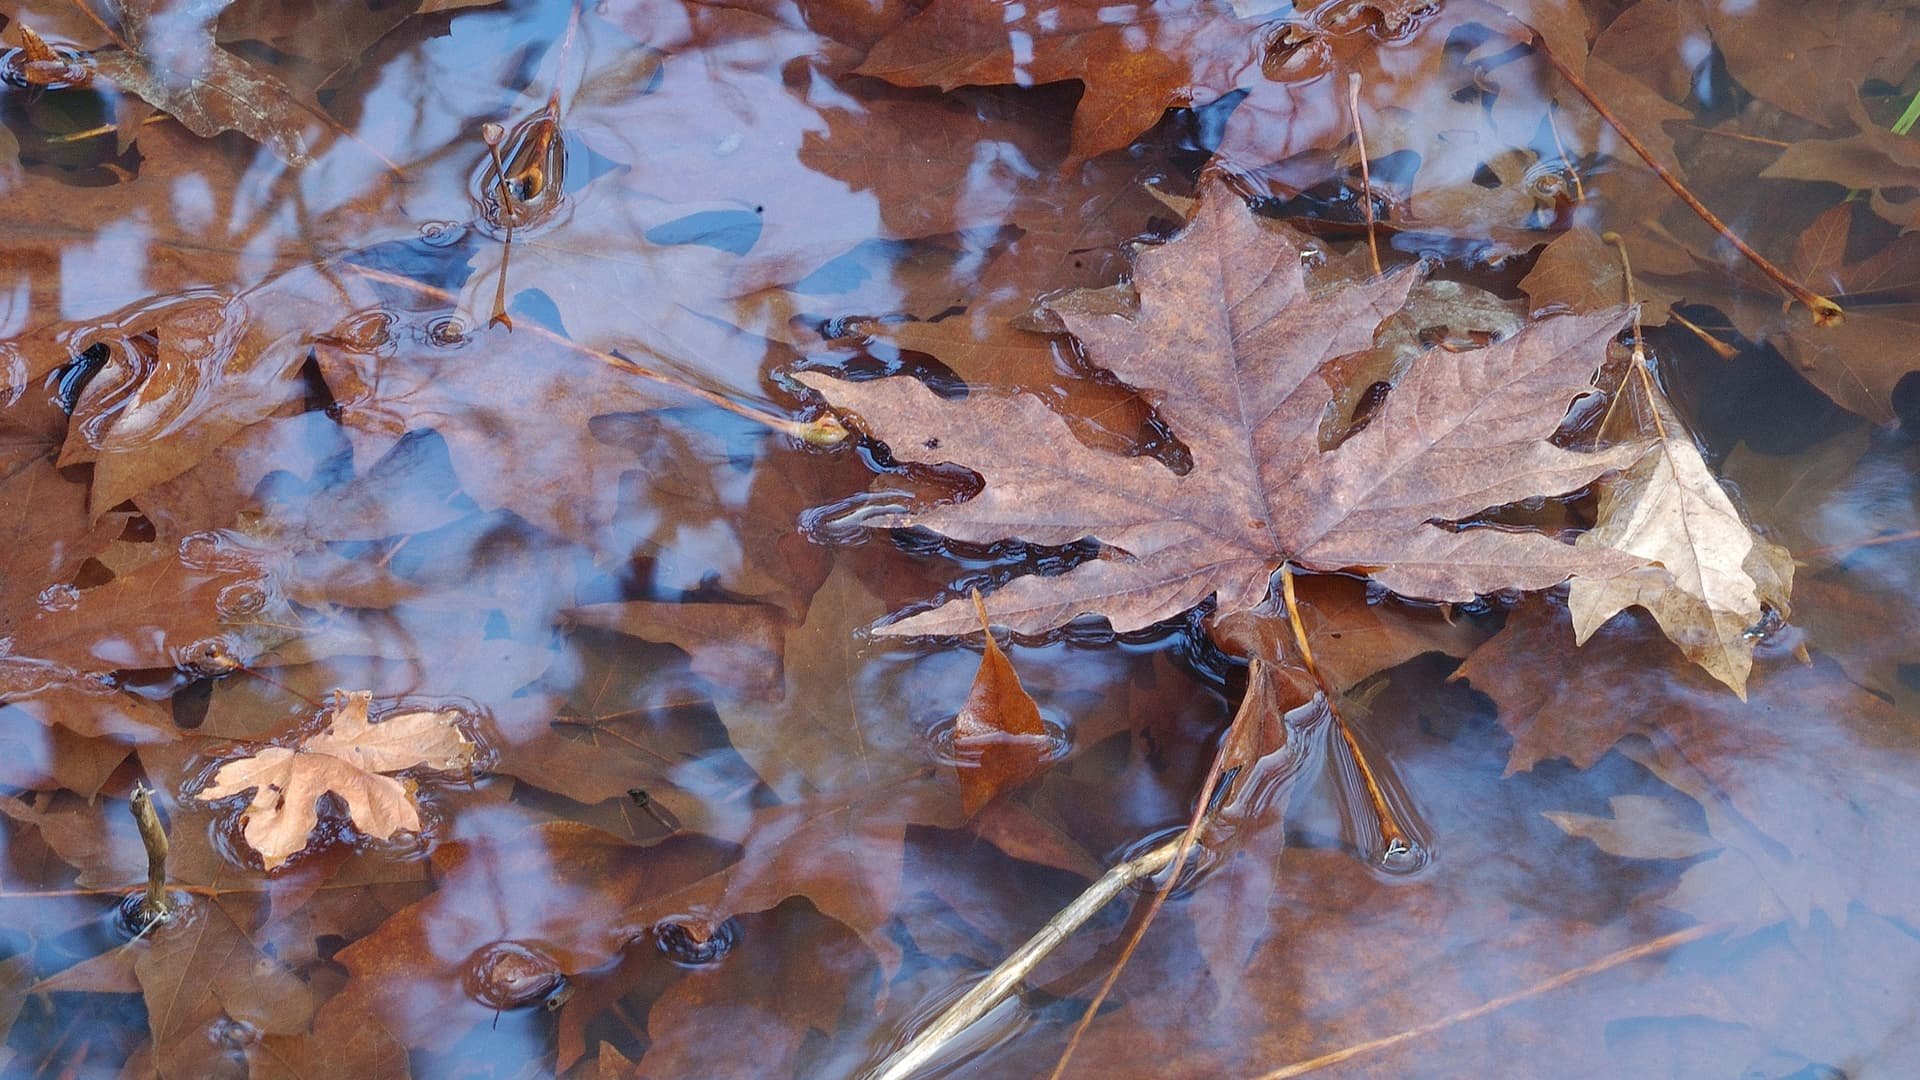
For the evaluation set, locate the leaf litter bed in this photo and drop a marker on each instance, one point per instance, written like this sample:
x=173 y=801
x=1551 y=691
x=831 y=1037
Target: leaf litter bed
x=504 y=499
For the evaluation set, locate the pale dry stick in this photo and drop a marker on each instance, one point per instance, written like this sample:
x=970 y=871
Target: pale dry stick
x=1825 y=311
x=825 y=430
x=1639 y=363
x=1004 y=979
x=1573 y=172
x=154 y=907
x=493 y=135
x=1392 y=836
x=1664 y=943
x=1366 y=173
x=1229 y=749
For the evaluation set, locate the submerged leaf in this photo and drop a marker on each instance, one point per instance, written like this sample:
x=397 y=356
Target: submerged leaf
x=350 y=759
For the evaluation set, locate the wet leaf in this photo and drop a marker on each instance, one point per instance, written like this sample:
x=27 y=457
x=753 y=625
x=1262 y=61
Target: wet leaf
x=169 y=57
x=1247 y=396
x=351 y=758
x=999 y=741
x=1794 y=784
x=1711 y=581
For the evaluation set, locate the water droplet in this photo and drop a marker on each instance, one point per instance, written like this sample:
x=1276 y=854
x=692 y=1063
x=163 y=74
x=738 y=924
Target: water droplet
x=508 y=975
x=206 y=657
x=693 y=942
x=239 y=601
x=443 y=233
x=447 y=331
x=215 y=551
x=937 y=742
x=1402 y=858
x=59 y=598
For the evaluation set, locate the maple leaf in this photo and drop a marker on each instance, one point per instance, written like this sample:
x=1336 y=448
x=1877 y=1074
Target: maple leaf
x=1230 y=344
x=1711 y=578
x=350 y=759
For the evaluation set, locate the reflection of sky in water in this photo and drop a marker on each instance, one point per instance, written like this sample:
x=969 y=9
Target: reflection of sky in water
x=105 y=273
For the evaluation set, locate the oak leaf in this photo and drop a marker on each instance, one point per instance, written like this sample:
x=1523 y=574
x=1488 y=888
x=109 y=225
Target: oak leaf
x=172 y=61
x=1231 y=344
x=351 y=759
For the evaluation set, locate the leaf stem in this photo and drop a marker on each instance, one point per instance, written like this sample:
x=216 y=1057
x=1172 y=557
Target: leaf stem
x=1366 y=174
x=1393 y=837
x=154 y=907
x=1825 y=311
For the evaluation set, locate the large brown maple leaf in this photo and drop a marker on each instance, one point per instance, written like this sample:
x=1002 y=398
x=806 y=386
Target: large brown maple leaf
x=1234 y=348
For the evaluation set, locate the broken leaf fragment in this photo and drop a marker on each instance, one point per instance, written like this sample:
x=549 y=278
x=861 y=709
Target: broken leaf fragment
x=352 y=758
x=999 y=740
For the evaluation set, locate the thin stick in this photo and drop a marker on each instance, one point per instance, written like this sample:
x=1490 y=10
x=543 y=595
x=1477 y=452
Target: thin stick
x=1229 y=748
x=154 y=907
x=1720 y=348
x=1366 y=174
x=1738 y=136
x=493 y=134
x=1573 y=173
x=1825 y=311
x=822 y=431
x=1877 y=541
x=1392 y=836
x=1005 y=978
x=1664 y=943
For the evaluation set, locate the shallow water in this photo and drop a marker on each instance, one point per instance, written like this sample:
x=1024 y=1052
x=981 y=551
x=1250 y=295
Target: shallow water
x=367 y=423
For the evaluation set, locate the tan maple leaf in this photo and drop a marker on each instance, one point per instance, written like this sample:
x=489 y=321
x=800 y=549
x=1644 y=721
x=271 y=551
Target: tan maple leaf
x=350 y=758
x=1232 y=345
x=1710 y=579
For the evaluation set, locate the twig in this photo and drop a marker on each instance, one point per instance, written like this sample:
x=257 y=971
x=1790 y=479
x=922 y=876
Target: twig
x=1720 y=348
x=1366 y=174
x=1392 y=836
x=1855 y=545
x=1825 y=311
x=493 y=134
x=1573 y=172
x=1005 y=978
x=825 y=430
x=1655 y=947
x=154 y=907
x=1229 y=750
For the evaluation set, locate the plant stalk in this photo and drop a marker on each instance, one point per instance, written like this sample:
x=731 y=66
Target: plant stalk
x=1004 y=979
x=154 y=907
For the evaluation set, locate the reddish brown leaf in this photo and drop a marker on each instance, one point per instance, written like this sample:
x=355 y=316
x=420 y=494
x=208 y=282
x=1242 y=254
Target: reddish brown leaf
x=999 y=741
